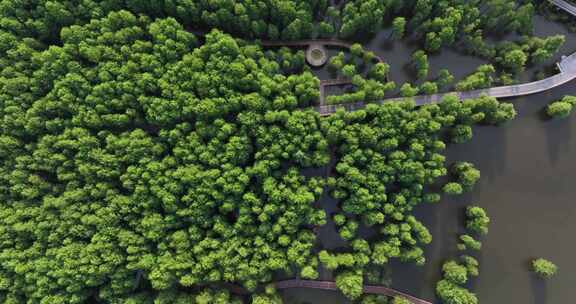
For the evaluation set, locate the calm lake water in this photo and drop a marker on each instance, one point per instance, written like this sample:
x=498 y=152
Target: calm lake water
x=528 y=188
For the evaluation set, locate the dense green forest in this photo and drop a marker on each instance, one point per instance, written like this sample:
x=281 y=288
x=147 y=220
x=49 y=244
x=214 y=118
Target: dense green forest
x=153 y=151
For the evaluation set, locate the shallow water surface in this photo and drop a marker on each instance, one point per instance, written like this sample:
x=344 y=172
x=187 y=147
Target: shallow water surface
x=528 y=188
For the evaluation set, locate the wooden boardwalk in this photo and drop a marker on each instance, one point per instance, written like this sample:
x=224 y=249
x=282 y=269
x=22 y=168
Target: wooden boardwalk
x=497 y=92
x=566 y=6
x=329 y=285
x=307 y=42
x=324 y=285
x=567 y=67
x=312 y=42
x=327 y=83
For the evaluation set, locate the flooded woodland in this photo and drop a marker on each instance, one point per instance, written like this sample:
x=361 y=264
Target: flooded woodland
x=528 y=187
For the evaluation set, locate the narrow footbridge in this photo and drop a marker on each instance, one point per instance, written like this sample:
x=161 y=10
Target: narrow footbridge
x=329 y=285
x=312 y=42
x=307 y=42
x=566 y=6
x=567 y=72
x=567 y=67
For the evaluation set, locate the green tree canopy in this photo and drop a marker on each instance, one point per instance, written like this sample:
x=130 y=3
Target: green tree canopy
x=561 y=108
x=544 y=268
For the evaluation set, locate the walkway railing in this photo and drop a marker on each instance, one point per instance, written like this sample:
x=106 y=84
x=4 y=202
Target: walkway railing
x=567 y=72
x=329 y=285
x=309 y=42
x=497 y=92
x=567 y=67
x=566 y=6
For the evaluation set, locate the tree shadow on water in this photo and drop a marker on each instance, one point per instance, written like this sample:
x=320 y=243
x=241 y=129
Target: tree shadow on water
x=486 y=150
x=558 y=135
x=537 y=285
x=386 y=45
x=538 y=289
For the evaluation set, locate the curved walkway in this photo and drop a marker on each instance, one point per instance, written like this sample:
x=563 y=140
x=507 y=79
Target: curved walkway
x=329 y=285
x=330 y=82
x=566 y=6
x=567 y=67
x=325 y=285
x=309 y=42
